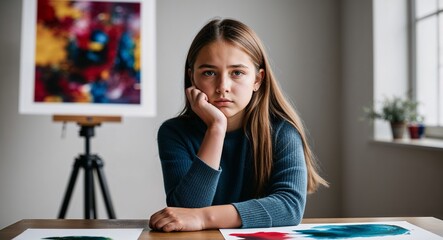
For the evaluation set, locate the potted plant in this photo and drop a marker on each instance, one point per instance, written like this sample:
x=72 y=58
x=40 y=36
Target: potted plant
x=397 y=111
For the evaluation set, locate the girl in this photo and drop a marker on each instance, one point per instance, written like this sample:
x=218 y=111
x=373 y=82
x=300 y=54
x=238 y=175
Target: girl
x=237 y=155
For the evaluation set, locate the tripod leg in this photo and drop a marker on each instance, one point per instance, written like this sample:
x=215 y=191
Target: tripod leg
x=71 y=185
x=93 y=206
x=102 y=179
x=88 y=187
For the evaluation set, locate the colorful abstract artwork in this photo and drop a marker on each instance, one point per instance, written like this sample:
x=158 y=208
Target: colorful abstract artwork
x=81 y=234
x=78 y=53
x=379 y=230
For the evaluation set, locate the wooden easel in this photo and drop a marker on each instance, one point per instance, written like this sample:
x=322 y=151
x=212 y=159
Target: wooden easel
x=89 y=162
x=86 y=120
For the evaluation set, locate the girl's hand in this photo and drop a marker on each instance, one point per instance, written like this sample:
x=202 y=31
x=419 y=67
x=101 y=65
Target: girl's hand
x=211 y=115
x=177 y=219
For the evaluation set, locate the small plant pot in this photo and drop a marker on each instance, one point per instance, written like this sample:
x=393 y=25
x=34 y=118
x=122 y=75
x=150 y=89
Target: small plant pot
x=416 y=130
x=398 y=129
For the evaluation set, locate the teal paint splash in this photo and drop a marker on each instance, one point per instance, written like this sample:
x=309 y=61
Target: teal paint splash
x=353 y=231
x=78 y=238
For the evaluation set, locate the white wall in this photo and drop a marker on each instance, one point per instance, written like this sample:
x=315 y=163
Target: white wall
x=302 y=38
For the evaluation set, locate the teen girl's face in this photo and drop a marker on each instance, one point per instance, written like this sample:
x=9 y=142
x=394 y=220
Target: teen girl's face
x=226 y=74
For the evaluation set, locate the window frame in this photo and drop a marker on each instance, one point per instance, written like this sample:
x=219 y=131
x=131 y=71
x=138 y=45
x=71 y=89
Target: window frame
x=432 y=131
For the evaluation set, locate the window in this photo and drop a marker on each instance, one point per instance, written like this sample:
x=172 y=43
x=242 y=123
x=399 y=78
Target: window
x=427 y=80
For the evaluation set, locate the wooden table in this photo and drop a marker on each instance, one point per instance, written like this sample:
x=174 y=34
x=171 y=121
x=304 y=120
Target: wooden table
x=429 y=223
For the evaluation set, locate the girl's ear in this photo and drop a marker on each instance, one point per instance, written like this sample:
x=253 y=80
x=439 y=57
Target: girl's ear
x=259 y=79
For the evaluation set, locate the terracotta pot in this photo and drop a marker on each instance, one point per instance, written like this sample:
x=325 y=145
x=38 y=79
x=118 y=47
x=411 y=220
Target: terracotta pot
x=398 y=129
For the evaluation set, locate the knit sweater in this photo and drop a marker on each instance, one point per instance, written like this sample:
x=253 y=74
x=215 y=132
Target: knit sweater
x=190 y=183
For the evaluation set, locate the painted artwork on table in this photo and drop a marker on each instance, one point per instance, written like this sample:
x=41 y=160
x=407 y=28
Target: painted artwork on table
x=367 y=230
x=88 y=57
x=80 y=234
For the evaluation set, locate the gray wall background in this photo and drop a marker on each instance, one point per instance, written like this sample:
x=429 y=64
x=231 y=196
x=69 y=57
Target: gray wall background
x=321 y=51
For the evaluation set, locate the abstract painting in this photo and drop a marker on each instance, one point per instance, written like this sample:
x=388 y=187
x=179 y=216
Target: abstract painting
x=81 y=234
x=88 y=57
x=368 y=230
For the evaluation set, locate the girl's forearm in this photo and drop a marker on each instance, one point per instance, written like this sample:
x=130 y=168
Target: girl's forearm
x=221 y=216
x=212 y=145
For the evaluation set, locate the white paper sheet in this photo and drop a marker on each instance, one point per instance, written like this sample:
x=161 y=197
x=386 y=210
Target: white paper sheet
x=363 y=230
x=90 y=234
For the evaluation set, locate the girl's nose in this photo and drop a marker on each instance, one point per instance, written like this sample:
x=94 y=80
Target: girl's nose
x=224 y=84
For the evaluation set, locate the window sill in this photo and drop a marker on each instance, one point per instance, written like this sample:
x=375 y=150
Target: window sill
x=425 y=143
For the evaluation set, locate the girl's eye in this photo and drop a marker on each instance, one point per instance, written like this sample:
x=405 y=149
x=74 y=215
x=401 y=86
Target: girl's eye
x=208 y=73
x=237 y=73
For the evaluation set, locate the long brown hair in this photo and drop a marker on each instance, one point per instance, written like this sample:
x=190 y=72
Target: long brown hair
x=266 y=103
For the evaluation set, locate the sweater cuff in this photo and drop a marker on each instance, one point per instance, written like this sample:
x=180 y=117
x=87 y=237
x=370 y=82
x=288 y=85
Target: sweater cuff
x=253 y=214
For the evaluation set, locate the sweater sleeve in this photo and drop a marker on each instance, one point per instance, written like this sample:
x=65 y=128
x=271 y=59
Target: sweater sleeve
x=188 y=181
x=286 y=201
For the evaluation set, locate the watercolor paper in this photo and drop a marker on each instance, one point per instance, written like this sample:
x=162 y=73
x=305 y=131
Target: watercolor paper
x=364 y=230
x=81 y=234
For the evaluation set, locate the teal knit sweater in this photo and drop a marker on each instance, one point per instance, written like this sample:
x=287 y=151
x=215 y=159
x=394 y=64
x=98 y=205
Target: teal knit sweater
x=190 y=183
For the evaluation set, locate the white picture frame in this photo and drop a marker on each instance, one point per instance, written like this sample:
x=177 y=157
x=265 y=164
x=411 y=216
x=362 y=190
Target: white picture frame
x=146 y=105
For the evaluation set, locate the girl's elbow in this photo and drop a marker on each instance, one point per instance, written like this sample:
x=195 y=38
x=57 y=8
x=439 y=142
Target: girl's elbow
x=295 y=218
x=297 y=214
